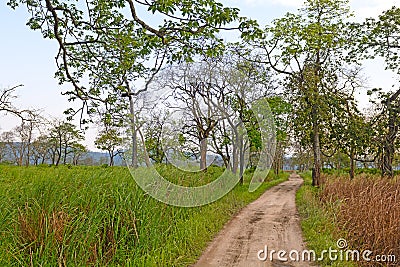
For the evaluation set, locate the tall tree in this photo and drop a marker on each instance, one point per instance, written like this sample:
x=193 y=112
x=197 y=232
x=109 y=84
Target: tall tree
x=110 y=43
x=41 y=147
x=380 y=38
x=281 y=110
x=77 y=151
x=307 y=49
x=191 y=94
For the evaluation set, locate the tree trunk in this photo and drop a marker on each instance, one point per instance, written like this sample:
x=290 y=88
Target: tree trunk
x=203 y=154
x=387 y=157
x=146 y=154
x=28 y=148
x=241 y=159
x=277 y=159
x=388 y=144
x=352 y=165
x=134 y=133
x=316 y=175
x=65 y=153
x=390 y=138
x=59 y=152
x=111 y=155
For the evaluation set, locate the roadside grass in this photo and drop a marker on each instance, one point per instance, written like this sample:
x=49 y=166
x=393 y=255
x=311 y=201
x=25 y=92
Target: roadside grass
x=94 y=216
x=318 y=222
x=368 y=214
x=364 y=211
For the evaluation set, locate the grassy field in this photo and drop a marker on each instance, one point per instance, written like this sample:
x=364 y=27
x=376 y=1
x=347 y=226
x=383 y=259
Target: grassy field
x=364 y=211
x=94 y=216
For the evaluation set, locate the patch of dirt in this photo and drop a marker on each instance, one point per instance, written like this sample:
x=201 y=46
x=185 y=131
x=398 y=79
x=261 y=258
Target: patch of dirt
x=272 y=221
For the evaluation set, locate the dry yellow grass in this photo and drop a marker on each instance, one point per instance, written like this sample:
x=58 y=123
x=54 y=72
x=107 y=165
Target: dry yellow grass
x=369 y=213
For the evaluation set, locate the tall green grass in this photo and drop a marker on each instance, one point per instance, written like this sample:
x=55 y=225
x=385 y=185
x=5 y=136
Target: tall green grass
x=93 y=216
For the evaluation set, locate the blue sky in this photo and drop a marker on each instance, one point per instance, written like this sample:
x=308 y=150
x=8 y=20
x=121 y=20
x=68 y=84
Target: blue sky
x=26 y=58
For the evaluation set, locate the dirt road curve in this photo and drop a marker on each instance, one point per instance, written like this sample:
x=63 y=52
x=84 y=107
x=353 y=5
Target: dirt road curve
x=272 y=221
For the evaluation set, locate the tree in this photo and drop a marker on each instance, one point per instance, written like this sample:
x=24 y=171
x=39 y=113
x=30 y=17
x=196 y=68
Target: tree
x=191 y=93
x=63 y=137
x=213 y=99
x=153 y=129
x=41 y=147
x=380 y=38
x=351 y=134
x=307 y=49
x=111 y=44
x=7 y=95
x=77 y=151
x=3 y=148
x=17 y=142
x=138 y=104
x=385 y=125
x=109 y=140
x=24 y=137
x=16 y=145
x=281 y=110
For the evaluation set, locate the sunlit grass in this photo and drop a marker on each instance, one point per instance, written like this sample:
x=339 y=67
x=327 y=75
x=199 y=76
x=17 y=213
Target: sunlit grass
x=93 y=216
x=318 y=223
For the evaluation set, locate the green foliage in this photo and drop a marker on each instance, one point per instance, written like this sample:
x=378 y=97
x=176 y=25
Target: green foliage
x=378 y=37
x=308 y=49
x=281 y=110
x=108 y=44
x=108 y=140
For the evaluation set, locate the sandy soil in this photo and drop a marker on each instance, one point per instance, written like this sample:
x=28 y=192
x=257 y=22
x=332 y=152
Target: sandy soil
x=272 y=221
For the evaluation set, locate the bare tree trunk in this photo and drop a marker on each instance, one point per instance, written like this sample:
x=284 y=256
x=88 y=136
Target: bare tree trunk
x=146 y=154
x=235 y=160
x=241 y=159
x=59 y=152
x=134 y=133
x=111 y=155
x=316 y=181
x=390 y=138
x=28 y=152
x=203 y=154
x=387 y=157
x=65 y=153
x=352 y=165
x=316 y=174
x=277 y=159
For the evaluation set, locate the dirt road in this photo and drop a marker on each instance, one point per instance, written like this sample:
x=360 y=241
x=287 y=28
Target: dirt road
x=272 y=221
